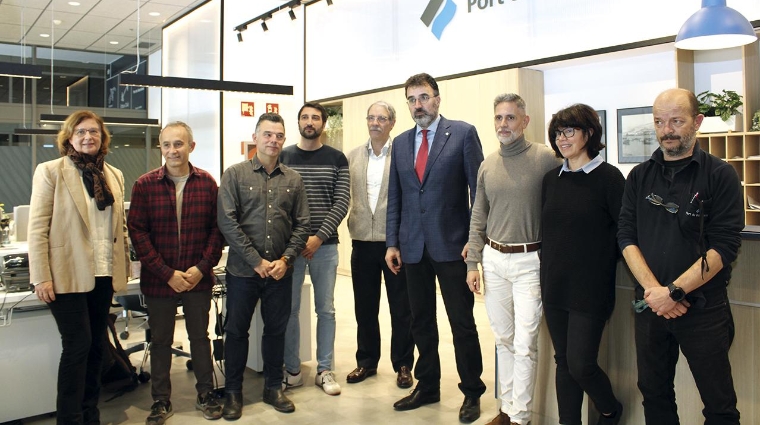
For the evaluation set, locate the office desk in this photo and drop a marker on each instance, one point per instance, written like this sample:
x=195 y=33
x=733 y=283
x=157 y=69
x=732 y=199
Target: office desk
x=30 y=349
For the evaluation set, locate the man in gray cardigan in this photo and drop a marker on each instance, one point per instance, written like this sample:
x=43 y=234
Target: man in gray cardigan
x=369 y=165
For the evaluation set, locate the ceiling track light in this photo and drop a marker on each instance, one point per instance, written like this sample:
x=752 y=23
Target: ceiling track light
x=264 y=26
x=290 y=5
x=292 y=15
x=329 y=2
x=240 y=37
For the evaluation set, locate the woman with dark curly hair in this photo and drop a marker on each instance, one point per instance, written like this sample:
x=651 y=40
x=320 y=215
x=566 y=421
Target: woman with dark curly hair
x=581 y=201
x=77 y=256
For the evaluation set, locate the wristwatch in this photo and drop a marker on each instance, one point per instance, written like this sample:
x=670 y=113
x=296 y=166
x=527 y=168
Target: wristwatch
x=288 y=260
x=676 y=293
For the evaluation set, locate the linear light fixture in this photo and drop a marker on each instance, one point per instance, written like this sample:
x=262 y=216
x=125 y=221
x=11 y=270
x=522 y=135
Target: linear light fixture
x=128 y=79
x=134 y=122
x=21 y=70
x=715 y=26
x=35 y=131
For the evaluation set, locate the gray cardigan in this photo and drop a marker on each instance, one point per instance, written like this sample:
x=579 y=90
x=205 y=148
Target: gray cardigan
x=362 y=224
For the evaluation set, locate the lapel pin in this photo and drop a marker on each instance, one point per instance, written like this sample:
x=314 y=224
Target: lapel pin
x=447 y=133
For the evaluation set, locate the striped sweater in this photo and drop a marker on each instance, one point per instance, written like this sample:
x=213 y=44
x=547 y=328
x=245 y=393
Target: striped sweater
x=326 y=178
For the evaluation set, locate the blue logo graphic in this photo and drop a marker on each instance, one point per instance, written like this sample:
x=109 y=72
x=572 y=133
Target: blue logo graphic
x=444 y=18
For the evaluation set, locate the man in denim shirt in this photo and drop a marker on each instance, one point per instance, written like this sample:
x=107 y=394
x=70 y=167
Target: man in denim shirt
x=263 y=214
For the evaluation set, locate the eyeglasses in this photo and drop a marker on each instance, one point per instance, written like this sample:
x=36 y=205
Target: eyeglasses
x=94 y=132
x=423 y=98
x=381 y=119
x=568 y=133
x=656 y=200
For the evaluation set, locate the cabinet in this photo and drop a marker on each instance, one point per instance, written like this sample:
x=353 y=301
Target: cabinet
x=740 y=149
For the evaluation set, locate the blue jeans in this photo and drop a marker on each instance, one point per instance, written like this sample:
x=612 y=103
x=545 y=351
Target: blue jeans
x=704 y=335
x=243 y=293
x=323 y=268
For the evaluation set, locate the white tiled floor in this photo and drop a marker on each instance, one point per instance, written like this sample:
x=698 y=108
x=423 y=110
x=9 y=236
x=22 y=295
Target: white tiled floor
x=369 y=402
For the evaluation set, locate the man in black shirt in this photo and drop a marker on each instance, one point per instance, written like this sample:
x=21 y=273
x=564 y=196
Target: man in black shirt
x=679 y=231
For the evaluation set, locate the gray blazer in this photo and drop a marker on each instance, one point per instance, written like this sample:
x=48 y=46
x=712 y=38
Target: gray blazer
x=362 y=224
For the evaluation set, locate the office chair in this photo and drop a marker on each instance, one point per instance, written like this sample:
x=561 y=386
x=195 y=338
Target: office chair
x=137 y=303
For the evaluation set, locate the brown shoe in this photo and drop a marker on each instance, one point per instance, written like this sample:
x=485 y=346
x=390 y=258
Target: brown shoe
x=359 y=374
x=501 y=419
x=404 y=378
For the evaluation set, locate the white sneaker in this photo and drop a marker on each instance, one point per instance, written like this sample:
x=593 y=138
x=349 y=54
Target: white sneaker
x=291 y=381
x=326 y=380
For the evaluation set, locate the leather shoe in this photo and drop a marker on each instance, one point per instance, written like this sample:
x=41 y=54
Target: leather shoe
x=417 y=398
x=501 y=419
x=470 y=410
x=233 y=406
x=359 y=374
x=278 y=400
x=404 y=378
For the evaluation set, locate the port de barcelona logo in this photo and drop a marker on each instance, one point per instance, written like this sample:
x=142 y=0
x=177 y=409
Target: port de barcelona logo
x=439 y=13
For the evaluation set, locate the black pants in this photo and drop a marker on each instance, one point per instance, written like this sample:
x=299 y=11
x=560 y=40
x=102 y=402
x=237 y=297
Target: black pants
x=576 y=340
x=81 y=320
x=704 y=335
x=367 y=267
x=162 y=315
x=459 y=302
x=243 y=293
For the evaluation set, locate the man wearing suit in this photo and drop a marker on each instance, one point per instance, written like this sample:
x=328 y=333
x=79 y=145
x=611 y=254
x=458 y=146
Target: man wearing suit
x=432 y=184
x=369 y=166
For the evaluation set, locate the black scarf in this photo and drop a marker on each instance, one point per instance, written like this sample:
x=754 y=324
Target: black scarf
x=92 y=174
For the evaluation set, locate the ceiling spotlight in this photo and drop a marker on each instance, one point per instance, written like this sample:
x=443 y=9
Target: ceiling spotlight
x=44 y=35
x=240 y=37
x=329 y=2
x=114 y=42
x=74 y=3
x=154 y=14
x=292 y=15
x=264 y=26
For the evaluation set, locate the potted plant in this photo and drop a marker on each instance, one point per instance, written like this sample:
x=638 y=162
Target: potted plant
x=720 y=111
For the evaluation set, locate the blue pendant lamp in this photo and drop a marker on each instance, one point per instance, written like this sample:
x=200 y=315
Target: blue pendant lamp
x=715 y=26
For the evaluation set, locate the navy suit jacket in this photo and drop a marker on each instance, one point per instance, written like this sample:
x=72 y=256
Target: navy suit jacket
x=434 y=213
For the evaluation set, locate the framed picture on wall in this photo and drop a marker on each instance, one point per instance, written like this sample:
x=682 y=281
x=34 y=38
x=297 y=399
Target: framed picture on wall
x=636 y=137
x=603 y=121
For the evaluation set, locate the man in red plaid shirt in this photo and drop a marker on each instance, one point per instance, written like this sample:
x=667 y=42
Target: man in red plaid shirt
x=172 y=226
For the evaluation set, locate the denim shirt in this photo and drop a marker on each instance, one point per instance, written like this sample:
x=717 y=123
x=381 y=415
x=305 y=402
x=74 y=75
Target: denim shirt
x=262 y=216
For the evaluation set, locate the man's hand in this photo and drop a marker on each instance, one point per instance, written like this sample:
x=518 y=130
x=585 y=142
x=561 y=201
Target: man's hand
x=464 y=251
x=473 y=281
x=193 y=276
x=179 y=283
x=660 y=302
x=263 y=268
x=44 y=291
x=277 y=269
x=393 y=259
x=312 y=245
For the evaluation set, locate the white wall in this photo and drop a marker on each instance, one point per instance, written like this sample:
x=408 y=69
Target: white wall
x=355 y=46
x=191 y=49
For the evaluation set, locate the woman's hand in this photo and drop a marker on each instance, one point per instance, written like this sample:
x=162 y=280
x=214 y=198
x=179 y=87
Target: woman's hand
x=44 y=291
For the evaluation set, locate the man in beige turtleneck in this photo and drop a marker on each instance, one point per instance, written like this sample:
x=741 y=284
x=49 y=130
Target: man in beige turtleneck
x=505 y=236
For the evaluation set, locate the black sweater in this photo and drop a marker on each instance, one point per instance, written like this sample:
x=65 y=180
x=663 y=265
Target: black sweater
x=579 y=247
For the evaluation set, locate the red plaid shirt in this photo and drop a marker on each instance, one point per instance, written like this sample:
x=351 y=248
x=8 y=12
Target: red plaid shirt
x=152 y=224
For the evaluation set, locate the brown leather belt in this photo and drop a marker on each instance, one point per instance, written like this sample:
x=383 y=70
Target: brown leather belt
x=513 y=249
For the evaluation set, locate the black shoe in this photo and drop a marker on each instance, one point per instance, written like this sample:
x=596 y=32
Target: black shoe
x=359 y=374
x=209 y=405
x=470 y=410
x=611 y=420
x=277 y=399
x=417 y=398
x=233 y=406
x=404 y=377
x=160 y=411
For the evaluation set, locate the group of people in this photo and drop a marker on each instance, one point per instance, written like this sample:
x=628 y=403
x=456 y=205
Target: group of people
x=545 y=226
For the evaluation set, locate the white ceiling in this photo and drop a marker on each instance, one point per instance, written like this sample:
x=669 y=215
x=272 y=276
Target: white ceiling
x=92 y=26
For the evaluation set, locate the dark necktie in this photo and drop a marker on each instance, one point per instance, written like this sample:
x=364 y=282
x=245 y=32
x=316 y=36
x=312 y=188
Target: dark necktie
x=422 y=156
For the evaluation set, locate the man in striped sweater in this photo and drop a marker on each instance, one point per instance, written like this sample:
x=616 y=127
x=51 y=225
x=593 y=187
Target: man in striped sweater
x=324 y=170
